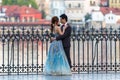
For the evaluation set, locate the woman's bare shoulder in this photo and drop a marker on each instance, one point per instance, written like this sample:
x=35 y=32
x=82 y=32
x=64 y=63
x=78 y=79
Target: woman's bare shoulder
x=58 y=28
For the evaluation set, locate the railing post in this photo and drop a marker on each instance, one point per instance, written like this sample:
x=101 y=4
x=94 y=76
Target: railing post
x=42 y=39
x=78 y=39
x=101 y=39
x=115 y=39
x=23 y=40
x=8 y=39
x=28 y=39
x=37 y=37
x=32 y=39
x=73 y=39
x=18 y=40
x=111 y=65
x=92 y=39
x=3 y=42
x=88 y=38
x=83 y=43
x=12 y=48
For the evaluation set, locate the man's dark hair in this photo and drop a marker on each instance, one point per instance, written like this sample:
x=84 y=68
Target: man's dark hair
x=64 y=16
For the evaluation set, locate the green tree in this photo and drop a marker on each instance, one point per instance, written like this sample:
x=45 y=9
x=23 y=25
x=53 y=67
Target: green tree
x=87 y=16
x=20 y=2
x=6 y=2
x=33 y=3
x=43 y=14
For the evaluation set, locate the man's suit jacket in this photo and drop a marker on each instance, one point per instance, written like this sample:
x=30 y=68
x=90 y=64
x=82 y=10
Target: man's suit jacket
x=65 y=37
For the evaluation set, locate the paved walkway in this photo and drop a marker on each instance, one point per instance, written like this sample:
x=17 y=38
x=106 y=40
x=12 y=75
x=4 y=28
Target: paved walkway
x=73 y=77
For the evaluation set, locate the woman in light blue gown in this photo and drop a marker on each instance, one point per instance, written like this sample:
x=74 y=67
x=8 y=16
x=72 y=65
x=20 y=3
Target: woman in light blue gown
x=56 y=62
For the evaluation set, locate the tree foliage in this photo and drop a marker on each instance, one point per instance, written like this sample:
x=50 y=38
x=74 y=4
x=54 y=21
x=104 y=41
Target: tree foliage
x=87 y=16
x=20 y=2
x=43 y=14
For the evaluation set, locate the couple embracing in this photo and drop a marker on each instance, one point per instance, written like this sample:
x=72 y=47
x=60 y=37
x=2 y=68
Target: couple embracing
x=58 y=60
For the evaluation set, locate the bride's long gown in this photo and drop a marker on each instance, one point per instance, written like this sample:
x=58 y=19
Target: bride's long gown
x=56 y=62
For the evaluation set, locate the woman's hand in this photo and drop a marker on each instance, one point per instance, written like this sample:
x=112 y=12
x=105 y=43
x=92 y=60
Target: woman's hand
x=65 y=27
x=52 y=39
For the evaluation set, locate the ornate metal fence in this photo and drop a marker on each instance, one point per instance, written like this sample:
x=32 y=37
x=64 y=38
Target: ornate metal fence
x=23 y=49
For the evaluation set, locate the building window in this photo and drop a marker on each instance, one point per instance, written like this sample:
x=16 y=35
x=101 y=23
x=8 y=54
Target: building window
x=55 y=12
x=112 y=1
x=92 y=3
x=111 y=18
x=36 y=20
x=115 y=1
x=69 y=5
x=31 y=19
x=25 y=19
x=16 y=19
x=79 y=5
x=119 y=1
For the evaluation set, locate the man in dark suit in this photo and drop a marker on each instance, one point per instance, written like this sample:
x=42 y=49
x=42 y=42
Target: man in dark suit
x=65 y=37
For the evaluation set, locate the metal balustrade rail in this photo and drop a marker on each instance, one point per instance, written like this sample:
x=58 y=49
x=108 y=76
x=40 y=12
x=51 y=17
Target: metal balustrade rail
x=23 y=50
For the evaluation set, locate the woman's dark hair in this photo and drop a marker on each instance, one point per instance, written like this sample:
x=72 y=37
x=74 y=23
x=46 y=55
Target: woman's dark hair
x=53 y=21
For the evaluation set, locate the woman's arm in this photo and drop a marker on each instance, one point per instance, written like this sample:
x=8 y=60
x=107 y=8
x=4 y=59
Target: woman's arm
x=66 y=34
x=60 y=31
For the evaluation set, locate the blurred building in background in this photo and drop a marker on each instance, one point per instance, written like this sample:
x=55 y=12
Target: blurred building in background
x=114 y=3
x=75 y=10
x=57 y=7
x=17 y=13
x=0 y=2
x=104 y=3
x=44 y=7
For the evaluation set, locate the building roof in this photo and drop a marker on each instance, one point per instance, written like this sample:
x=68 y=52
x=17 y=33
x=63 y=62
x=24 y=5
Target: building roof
x=28 y=10
x=17 y=10
x=106 y=10
x=103 y=1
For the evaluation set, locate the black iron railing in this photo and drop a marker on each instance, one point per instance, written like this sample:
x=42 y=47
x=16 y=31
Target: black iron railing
x=23 y=49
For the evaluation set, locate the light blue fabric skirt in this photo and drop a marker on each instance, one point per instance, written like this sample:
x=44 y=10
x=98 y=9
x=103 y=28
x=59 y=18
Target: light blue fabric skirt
x=56 y=62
